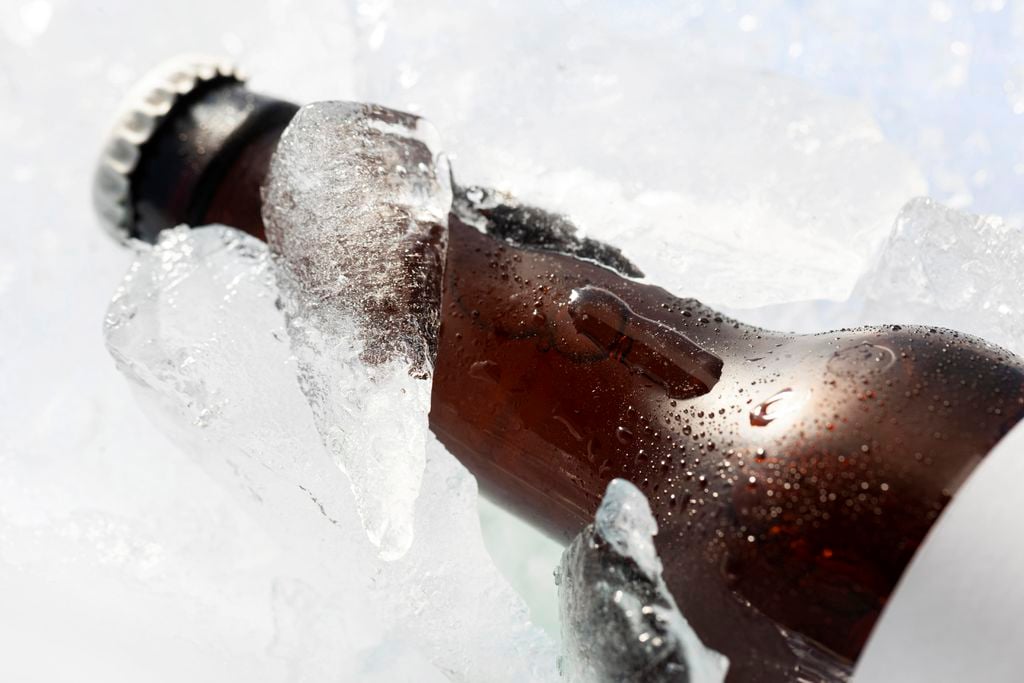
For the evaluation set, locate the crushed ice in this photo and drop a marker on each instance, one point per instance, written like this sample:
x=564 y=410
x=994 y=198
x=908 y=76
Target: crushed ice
x=196 y=327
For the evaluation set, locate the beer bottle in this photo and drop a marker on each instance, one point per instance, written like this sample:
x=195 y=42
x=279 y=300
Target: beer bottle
x=792 y=476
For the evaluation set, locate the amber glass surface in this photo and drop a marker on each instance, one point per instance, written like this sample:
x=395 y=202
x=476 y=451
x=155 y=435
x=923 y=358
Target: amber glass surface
x=792 y=476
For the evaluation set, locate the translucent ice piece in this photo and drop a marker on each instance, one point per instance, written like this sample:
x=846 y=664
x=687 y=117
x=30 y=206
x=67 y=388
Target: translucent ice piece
x=940 y=266
x=619 y=621
x=356 y=203
x=195 y=326
x=356 y=208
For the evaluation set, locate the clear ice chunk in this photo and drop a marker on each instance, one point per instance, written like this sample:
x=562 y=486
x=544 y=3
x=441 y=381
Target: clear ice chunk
x=196 y=327
x=619 y=621
x=356 y=204
x=356 y=207
x=945 y=267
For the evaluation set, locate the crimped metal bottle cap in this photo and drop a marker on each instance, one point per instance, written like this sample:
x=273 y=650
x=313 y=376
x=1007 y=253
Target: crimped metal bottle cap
x=140 y=115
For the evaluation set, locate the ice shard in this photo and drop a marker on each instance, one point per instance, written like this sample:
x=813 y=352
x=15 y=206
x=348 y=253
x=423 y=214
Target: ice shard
x=619 y=621
x=356 y=207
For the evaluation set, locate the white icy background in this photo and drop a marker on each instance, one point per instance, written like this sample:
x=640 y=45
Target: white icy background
x=750 y=153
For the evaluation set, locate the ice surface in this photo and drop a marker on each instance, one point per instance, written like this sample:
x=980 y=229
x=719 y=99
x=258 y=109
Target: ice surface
x=197 y=327
x=619 y=621
x=120 y=559
x=944 y=267
x=356 y=206
x=714 y=127
x=118 y=551
x=938 y=266
x=684 y=162
x=527 y=559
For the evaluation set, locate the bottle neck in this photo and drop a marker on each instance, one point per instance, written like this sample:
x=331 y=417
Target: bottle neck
x=207 y=161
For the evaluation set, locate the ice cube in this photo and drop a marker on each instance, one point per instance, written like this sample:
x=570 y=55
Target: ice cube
x=619 y=621
x=197 y=328
x=356 y=207
x=944 y=267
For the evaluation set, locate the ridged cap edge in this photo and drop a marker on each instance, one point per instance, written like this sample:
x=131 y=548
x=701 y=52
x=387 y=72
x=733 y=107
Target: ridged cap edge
x=139 y=115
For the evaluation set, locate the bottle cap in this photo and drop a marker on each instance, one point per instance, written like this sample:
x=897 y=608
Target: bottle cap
x=141 y=115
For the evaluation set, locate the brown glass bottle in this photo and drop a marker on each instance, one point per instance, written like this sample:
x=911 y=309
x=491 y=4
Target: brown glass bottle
x=792 y=476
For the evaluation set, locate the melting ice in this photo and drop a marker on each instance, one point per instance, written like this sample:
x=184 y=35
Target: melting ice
x=356 y=207
x=619 y=621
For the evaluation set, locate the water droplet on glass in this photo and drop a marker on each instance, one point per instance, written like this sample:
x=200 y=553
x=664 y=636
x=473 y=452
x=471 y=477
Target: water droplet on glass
x=624 y=436
x=569 y=426
x=486 y=370
x=861 y=360
x=776 y=405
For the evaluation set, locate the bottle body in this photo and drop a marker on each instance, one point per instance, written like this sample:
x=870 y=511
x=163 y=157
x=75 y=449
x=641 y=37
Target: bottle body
x=790 y=494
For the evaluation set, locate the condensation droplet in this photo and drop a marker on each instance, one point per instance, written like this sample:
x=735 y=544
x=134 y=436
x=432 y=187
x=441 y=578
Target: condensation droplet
x=486 y=370
x=862 y=360
x=624 y=435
